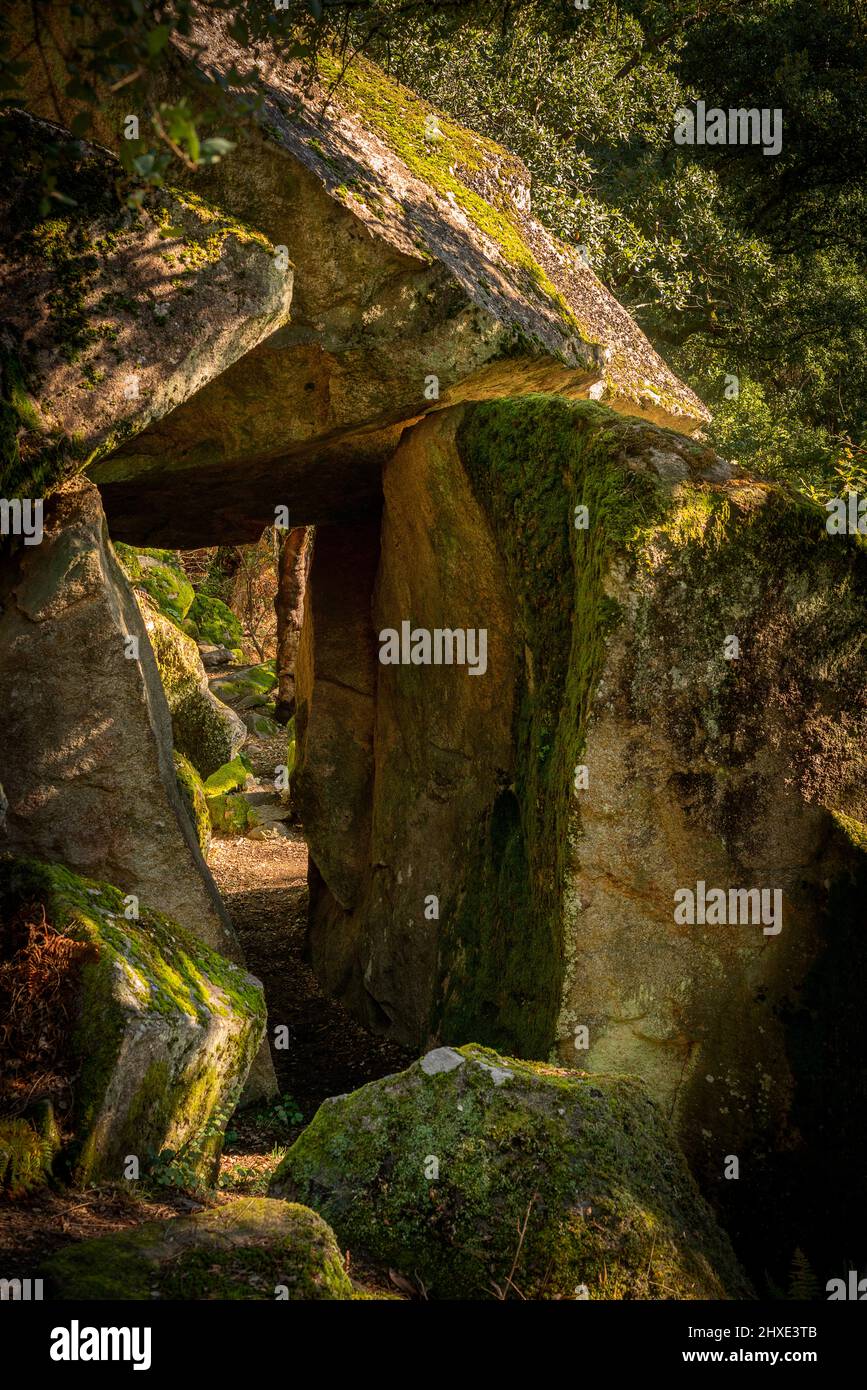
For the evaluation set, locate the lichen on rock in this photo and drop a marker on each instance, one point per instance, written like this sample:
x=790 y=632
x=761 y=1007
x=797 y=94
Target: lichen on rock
x=91 y=350
x=485 y=1176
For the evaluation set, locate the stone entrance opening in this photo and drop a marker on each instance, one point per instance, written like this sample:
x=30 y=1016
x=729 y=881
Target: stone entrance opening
x=258 y=849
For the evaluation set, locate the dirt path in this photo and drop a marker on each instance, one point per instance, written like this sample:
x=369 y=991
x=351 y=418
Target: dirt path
x=264 y=885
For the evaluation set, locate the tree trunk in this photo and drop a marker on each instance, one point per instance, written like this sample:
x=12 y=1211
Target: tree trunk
x=292 y=567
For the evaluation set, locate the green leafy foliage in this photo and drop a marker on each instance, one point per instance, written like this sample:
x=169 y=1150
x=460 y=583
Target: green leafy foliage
x=186 y=1169
x=737 y=265
x=283 y=1114
x=88 y=55
x=25 y=1157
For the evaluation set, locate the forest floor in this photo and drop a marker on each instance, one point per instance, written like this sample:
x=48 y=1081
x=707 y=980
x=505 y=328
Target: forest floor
x=263 y=882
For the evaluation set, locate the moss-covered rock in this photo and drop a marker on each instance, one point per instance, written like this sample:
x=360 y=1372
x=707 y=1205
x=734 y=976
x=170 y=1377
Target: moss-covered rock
x=254 y=1248
x=107 y=325
x=472 y=292
x=231 y=777
x=232 y=814
x=87 y=742
x=161 y=575
x=212 y=622
x=193 y=796
x=252 y=693
x=250 y=687
x=675 y=694
x=206 y=731
x=165 y=1029
x=260 y=724
x=485 y=1177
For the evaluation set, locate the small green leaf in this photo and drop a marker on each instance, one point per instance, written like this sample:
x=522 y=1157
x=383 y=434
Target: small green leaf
x=158 y=38
x=214 y=148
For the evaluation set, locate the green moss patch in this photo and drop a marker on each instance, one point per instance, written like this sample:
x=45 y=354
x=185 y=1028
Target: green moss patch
x=211 y=621
x=228 y=778
x=232 y=815
x=252 y=1249
x=248 y=687
x=531 y=461
x=161 y=575
x=193 y=796
x=201 y=240
x=446 y=156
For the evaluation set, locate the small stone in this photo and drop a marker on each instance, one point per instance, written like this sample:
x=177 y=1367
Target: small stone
x=499 y=1074
x=440 y=1060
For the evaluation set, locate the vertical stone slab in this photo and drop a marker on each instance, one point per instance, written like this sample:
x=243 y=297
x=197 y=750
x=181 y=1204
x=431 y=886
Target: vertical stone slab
x=87 y=743
x=335 y=683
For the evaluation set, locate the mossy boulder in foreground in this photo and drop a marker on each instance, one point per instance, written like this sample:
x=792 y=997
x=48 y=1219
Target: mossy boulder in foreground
x=163 y=1029
x=439 y=1169
x=255 y=1248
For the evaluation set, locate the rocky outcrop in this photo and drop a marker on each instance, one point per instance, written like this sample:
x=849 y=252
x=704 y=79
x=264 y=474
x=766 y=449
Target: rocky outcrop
x=87 y=763
x=421 y=279
x=163 y=1031
x=673 y=696
x=486 y=1177
x=669 y=702
x=96 y=338
x=255 y=1248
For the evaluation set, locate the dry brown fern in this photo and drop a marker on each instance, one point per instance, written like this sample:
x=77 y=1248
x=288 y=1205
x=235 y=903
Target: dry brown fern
x=38 y=972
